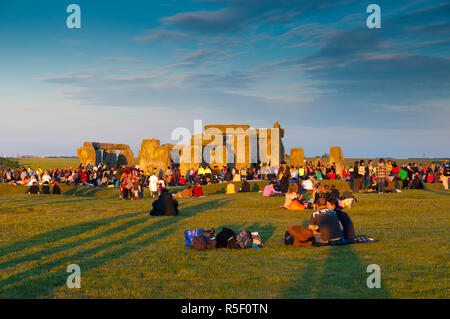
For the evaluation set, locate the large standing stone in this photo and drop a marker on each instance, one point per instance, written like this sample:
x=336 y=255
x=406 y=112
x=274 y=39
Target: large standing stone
x=337 y=157
x=126 y=157
x=91 y=153
x=87 y=154
x=275 y=145
x=297 y=157
x=109 y=157
x=153 y=155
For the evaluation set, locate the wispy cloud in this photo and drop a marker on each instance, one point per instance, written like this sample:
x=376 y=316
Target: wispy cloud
x=119 y=59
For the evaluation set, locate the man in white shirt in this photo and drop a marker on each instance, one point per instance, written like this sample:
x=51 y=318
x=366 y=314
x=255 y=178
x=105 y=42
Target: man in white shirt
x=46 y=177
x=308 y=185
x=153 y=185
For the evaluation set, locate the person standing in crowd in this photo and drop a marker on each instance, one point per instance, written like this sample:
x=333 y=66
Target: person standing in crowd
x=445 y=174
x=283 y=176
x=382 y=174
x=126 y=183
x=362 y=172
x=356 y=178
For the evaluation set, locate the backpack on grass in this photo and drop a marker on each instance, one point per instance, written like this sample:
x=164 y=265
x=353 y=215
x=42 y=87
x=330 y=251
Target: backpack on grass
x=223 y=236
x=244 y=239
x=204 y=240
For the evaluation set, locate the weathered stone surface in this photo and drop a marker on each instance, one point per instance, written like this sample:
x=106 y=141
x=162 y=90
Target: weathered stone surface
x=109 y=157
x=91 y=153
x=126 y=157
x=337 y=157
x=186 y=163
x=154 y=155
x=276 y=147
x=87 y=154
x=297 y=157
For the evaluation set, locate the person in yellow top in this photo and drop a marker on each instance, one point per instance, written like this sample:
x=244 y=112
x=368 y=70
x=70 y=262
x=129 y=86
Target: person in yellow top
x=389 y=167
x=207 y=170
x=301 y=171
x=201 y=171
x=231 y=189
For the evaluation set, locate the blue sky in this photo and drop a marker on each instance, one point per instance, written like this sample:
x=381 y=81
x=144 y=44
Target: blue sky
x=139 y=69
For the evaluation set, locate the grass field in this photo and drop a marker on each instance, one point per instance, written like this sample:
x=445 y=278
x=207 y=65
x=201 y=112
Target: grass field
x=49 y=163
x=125 y=253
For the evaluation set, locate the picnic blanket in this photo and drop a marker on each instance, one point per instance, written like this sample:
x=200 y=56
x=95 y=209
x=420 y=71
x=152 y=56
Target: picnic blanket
x=363 y=239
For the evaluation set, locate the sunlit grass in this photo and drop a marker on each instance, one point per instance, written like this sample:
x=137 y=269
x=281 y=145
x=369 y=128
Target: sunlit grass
x=125 y=253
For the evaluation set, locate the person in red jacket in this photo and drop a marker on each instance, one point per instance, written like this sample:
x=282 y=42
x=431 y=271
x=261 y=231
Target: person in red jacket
x=197 y=191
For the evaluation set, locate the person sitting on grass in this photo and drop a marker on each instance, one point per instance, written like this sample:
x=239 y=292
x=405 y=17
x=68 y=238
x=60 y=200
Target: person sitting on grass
x=291 y=194
x=325 y=224
x=417 y=182
x=231 y=189
x=269 y=190
x=34 y=189
x=245 y=188
x=308 y=185
x=344 y=218
x=46 y=188
x=56 y=189
x=164 y=205
x=197 y=191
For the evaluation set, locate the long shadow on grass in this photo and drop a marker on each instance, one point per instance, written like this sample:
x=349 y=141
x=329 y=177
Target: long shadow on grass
x=61 y=233
x=40 y=282
x=266 y=231
x=85 y=191
x=49 y=251
x=342 y=275
x=438 y=192
x=44 y=200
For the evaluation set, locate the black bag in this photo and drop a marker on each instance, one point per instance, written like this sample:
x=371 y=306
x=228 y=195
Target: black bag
x=288 y=238
x=223 y=236
x=232 y=243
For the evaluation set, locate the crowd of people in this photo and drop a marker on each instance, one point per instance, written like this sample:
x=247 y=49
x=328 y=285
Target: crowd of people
x=328 y=223
x=389 y=176
x=382 y=177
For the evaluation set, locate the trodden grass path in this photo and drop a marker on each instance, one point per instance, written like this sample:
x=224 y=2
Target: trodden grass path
x=125 y=253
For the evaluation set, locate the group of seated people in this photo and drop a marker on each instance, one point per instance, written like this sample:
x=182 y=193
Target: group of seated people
x=34 y=188
x=231 y=188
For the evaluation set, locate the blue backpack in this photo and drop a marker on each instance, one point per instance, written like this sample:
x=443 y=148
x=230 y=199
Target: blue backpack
x=189 y=234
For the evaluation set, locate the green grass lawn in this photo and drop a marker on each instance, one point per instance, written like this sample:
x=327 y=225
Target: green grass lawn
x=49 y=163
x=125 y=253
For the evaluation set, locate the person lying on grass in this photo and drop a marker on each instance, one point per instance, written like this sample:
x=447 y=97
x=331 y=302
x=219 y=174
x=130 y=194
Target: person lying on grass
x=187 y=192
